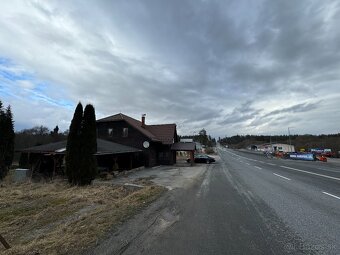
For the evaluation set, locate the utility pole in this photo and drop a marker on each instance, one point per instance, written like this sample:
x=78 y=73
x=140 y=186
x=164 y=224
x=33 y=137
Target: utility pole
x=290 y=141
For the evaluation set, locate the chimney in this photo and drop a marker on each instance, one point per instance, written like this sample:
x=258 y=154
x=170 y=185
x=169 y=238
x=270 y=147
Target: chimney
x=143 y=120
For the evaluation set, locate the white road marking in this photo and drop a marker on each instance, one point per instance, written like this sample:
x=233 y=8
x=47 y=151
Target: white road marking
x=241 y=156
x=281 y=176
x=328 y=170
x=291 y=168
x=331 y=195
x=303 y=171
x=258 y=167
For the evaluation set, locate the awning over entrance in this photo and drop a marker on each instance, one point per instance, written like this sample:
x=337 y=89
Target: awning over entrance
x=103 y=148
x=184 y=146
x=49 y=159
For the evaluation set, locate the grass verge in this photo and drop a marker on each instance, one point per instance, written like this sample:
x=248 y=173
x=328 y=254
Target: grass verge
x=56 y=218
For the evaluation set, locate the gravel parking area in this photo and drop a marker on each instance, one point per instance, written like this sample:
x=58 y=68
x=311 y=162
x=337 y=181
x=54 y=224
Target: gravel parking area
x=170 y=177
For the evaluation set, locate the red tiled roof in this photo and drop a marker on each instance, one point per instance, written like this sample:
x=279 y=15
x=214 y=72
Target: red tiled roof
x=183 y=146
x=164 y=133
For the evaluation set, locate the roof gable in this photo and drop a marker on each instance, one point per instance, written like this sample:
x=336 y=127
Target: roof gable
x=164 y=133
x=133 y=122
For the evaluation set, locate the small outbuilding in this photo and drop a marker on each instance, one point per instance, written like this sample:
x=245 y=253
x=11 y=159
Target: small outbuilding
x=189 y=147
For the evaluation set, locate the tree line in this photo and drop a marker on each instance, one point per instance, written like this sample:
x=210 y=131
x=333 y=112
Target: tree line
x=38 y=135
x=6 y=139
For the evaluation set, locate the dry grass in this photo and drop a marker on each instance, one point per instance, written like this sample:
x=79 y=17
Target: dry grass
x=55 y=218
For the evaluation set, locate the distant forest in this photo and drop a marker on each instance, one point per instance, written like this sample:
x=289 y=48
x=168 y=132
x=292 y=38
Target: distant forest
x=331 y=141
x=35 y=136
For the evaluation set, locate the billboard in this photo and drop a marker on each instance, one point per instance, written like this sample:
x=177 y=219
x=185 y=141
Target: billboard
x=320 y=151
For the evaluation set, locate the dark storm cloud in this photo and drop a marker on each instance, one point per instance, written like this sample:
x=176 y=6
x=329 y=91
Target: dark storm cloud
x=202 y=64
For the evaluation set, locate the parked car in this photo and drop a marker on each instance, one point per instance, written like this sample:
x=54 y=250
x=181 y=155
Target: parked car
x=202 y=158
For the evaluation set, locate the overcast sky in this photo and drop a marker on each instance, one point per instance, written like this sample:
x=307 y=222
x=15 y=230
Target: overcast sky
x=231 y=67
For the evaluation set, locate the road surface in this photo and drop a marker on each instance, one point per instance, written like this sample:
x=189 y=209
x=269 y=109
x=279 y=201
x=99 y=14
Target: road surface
x=248 y=204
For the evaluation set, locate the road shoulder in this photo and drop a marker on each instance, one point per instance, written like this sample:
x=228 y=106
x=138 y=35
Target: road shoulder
x=139 y=231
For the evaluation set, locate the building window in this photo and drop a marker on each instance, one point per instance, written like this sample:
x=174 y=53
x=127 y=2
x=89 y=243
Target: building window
x=110 y=132
x=125 y=132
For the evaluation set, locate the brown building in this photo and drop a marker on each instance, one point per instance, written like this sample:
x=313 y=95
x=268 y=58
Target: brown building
x=154 y=140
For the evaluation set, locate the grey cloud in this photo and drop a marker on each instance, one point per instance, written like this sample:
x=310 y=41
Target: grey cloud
x=298 y=108
x=284 y=115
x=239 y=114
x=212 y=64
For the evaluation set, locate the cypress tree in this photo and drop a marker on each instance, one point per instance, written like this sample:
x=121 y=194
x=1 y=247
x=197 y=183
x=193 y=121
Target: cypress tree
x=73 y=147
x=81 y=167
x=88 y=146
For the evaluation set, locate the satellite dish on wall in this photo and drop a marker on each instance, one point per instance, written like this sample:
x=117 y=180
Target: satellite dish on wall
x=146 y=144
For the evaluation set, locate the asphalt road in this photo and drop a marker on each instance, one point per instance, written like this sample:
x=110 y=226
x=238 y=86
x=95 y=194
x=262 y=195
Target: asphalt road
x=248 y=204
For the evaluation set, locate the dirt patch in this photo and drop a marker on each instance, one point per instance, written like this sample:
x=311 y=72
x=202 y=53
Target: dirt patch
x=55 y=218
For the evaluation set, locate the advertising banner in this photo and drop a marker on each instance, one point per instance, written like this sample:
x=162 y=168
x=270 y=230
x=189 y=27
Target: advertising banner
x=302 y=156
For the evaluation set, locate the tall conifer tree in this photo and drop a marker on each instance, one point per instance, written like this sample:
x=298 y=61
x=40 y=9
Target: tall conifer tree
x=81 y=146
x=6 y=139
x=10 y=135
x=2 y=141
x=89 y=146
x=73 y=147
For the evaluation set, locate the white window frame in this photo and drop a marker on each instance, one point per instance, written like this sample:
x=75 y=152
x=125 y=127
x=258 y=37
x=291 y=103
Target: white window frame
x=110 y=132
x=125 y=132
